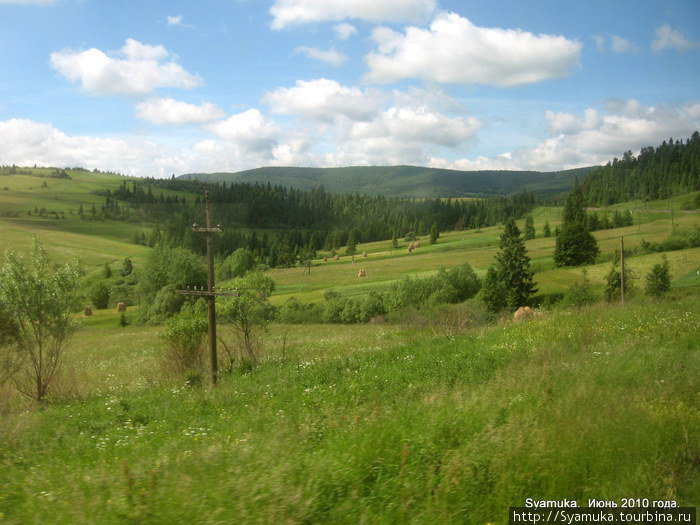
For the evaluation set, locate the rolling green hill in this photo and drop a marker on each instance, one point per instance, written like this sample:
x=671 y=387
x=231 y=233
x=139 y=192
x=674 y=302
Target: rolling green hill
x=403 y=181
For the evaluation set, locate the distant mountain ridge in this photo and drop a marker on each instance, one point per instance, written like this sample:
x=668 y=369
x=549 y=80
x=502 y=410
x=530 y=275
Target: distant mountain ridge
x=403 y=181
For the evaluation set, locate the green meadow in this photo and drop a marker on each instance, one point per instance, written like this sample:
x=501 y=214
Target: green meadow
x=449 y=416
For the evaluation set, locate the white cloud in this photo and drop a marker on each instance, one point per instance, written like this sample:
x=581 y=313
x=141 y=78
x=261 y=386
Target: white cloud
x=26 y=143
x=325 y=100
x=418 y=126
x=595 y=137
x=168 y=111
x=344 y=31
x=249 y=131
x=621 y=45
x=175 y=20
x=599 y=43
x=294 y=12
x=672 y=39
x=330 y=56
x=142 y=69
x=454 y=50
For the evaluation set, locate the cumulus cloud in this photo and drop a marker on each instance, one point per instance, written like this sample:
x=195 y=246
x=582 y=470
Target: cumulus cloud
x=594 y=137
x=418 y=126
x=26 y=143
x=295 y=12
x=344 y=31
x=168 y=111
x=325 y=100
x=137 y=69
x=329 y=56
x=249 y=131
x=454 y=50
x=671 y=39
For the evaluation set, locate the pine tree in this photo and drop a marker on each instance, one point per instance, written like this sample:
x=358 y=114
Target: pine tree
x=509 y=282
x=546 y=230
x=575 y=245
x=529 y=228
x=434 y=234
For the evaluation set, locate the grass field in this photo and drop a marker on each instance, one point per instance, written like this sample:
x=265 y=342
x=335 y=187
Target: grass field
x=445 y=417
x=369 y=424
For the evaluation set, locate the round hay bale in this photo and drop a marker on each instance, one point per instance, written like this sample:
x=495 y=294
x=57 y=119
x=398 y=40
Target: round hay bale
x=121 y=306
x=88 y=311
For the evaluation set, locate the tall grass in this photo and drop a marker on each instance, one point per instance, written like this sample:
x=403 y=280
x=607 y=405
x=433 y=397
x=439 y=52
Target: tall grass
x=385 y=427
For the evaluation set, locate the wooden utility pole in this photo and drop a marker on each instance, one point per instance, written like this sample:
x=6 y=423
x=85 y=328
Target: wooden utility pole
x=210 y=292
x=622 y=270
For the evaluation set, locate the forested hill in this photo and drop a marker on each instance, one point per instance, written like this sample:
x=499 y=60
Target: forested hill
x=656 y=173
x=403 y=181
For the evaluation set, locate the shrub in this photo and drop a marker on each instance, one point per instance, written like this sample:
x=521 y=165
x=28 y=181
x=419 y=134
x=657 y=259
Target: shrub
x=184 y=335
x=581 y=293
x=38 y=299
x=613 y=284
x=99 y=296
x=166 y=304
x=659 y=279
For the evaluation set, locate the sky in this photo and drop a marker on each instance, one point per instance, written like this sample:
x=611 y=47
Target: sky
x=155 y=88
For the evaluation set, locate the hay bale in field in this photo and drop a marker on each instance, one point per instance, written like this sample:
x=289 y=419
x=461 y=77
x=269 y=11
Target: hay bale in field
x=364 y=254
x=88 y=311
x=416 y=245
x=361 y=273
x=525 y=313
x=121 y=306
x=336 y=258
x=325 y=259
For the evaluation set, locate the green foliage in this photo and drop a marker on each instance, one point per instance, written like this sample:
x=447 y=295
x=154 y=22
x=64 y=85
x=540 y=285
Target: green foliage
x=165 y=304
x=127 y=267
x=248 y=311
x=174 y=268
x=613 y=284
x=580 y=293
x=657 y=173
x=447 y=286
x=351 y=248
x=434 y=234
x=575 y=245
x=493 y=291
x=529 y=228
x=106 y=271
x=184 y=335
x=99 y=295
x=39 y=298
x=513 y=268
x=659 y=279
x=236 y=265
x=546 y=230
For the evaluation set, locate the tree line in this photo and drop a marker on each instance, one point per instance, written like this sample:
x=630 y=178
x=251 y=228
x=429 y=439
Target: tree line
x=656 y=173
x=281 y=226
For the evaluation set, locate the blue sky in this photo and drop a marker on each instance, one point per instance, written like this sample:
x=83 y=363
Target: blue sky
x=151 y=88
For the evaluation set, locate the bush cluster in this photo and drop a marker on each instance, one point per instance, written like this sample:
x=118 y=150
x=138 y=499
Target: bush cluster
x=446 y=287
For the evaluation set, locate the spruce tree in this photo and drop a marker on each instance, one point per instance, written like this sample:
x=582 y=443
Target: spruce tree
x=529 y=228
x=575 y=245
x=509 y=282
x=434 y=234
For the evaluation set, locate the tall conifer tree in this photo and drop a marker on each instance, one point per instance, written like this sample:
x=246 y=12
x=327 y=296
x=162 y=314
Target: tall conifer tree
x=575 y=245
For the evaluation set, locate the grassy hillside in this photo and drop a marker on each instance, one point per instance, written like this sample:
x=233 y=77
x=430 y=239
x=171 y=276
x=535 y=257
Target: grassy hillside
x=478 y=247
x=369 y=424
x=403 y=181
x=448 y=418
